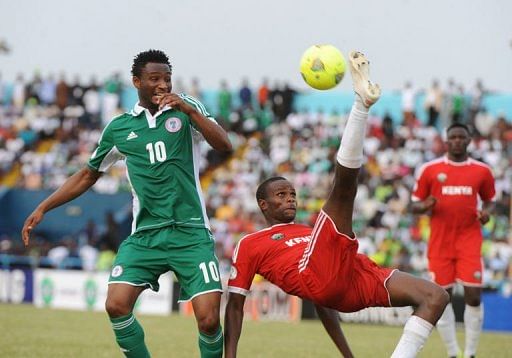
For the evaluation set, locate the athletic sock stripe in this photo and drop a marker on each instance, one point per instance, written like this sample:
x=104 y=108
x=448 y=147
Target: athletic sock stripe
x=314 y=237
x=211 y=340
x=308 y=248
x=123 y=324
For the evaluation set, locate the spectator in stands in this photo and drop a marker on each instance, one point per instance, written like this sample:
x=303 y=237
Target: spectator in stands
x=92 y=104
x=62 y=93
x=224 y=102
x=19 y=93
x=263 y=93
x=48 y=91
x=433 y=103
x=112 y=90
x=195 y=89
x=245 y=95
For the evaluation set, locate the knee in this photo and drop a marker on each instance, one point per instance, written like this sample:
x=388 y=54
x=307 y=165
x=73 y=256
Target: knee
x=208 y=324
x=116 y=308
x=438 y=299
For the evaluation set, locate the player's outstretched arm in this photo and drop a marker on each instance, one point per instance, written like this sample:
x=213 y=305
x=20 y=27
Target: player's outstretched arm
x=73 y=187
x=331 y=322
x=233 y=320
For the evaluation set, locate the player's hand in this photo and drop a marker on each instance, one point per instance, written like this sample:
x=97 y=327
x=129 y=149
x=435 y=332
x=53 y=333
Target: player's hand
x=483 y=216
x=176 y=102
x=429 y=203
x=29 y=225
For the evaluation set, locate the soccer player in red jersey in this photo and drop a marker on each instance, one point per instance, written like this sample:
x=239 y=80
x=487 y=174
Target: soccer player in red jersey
x=321 y=264
x=450 y=187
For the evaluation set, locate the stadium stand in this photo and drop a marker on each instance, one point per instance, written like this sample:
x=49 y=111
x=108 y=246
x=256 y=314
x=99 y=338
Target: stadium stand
x=49 y=128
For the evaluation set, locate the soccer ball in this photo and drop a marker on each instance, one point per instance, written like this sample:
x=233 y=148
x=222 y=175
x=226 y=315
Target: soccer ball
x=322 y=66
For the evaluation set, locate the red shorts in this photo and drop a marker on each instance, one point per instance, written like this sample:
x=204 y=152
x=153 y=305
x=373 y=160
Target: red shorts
x=334 y=275
x=455 y=255
x=466 y=270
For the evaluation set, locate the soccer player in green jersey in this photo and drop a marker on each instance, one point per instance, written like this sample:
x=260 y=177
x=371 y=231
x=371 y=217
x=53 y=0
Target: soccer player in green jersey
x=159 y=141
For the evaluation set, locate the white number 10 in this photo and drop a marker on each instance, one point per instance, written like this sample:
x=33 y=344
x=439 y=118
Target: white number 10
x=213 y=271
x=157 y=151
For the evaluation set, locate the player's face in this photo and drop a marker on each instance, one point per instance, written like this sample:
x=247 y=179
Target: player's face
x=281 y=203
x=457 y=141
x=155 y=80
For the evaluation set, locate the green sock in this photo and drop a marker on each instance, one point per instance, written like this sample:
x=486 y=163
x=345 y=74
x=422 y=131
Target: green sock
x=211 y=346
x=130 y=336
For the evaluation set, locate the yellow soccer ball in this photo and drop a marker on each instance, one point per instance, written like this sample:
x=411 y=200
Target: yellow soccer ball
x=322 y=66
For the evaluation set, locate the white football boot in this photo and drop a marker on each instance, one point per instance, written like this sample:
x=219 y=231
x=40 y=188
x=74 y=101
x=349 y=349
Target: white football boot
x=368 y=91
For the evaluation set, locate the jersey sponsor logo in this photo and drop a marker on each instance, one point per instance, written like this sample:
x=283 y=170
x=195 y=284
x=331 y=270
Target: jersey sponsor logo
x=131 y=136
x=173 y=124
x=456 y=190
x=298 y=240
x=277 y=236
x=441 y=177
x=233 y=273
x=117 y=271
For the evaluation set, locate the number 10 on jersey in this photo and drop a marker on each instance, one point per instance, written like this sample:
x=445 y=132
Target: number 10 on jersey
x=156 y=151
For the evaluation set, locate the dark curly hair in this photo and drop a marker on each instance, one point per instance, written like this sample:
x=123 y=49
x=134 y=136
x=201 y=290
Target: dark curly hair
x=155 y=56
x=261 y=192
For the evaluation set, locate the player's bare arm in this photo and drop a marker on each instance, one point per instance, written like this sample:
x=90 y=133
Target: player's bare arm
x=331 y=323
x=72 y=188
x=421 y=207
x=233 y=320
x=212 y=132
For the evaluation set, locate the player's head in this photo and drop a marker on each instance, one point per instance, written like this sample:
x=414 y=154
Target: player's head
x=458 y=137
x=151 y=73
x=277 y=200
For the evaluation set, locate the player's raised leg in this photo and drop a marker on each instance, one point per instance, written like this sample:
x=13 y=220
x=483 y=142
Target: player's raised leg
x=340 y=203
x=129 y=334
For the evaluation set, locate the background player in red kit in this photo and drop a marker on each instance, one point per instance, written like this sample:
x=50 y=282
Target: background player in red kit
x=321 y=263
x=450 y=187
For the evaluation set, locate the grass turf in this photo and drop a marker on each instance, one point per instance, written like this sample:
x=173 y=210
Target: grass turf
x=31 y=332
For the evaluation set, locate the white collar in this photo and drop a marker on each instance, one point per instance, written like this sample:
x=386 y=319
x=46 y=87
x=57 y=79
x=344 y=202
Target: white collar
x=138 y=109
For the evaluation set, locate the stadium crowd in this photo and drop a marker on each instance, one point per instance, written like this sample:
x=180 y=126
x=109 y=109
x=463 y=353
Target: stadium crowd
x=49 y=128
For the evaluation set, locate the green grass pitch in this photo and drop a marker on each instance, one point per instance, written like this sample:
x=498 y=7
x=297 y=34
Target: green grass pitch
x=31 y=332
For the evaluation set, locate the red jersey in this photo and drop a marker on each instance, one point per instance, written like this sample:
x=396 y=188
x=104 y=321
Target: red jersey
x=273 y=253
x=319 y=264
x=456 y=187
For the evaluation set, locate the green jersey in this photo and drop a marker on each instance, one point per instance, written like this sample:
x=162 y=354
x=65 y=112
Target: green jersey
x=162 y=154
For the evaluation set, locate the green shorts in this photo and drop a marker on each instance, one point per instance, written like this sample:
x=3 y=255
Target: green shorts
x=188 y=252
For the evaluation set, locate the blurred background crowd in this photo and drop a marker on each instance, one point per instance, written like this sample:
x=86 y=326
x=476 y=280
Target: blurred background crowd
x=50 y=126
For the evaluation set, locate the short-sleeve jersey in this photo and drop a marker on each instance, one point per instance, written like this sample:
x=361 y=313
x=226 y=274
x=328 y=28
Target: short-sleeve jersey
x=162 y=155
x=273 y=253
x=456 y=187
